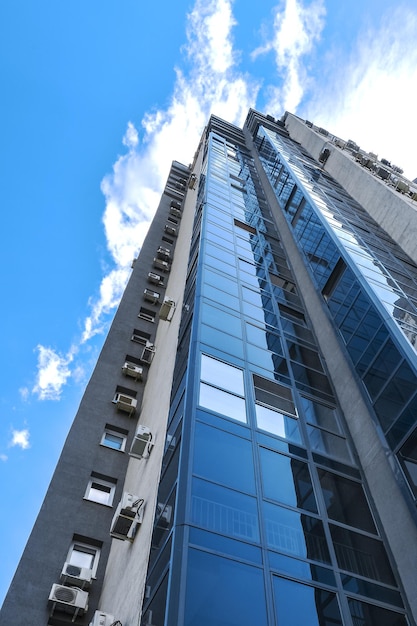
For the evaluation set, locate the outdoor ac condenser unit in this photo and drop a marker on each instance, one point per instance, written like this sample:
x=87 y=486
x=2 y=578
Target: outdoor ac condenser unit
x=142 y=443
x=102 y=619
x=127 y=517
x=76 y=576
x=69 y=599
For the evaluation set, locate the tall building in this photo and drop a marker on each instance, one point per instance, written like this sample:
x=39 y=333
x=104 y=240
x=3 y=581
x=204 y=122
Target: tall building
x=246 y=449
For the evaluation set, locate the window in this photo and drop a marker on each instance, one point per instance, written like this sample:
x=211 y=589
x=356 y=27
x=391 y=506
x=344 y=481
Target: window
x=100 y=489
x=114 y=437
x=220 y=374
x=84 y=554
x=139 y=336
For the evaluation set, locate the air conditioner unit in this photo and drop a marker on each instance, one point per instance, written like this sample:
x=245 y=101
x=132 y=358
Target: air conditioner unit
x=156 y=279
x=76 y=576
x=151 y=296
x=167 y=309
x=148 y=353
x=192 y=181
x=68 y=599
x=170 y=230
x=161 y=265
x=175 y=212
x=128 y=515
x=102 y=619
x=132 y=370
x=165 y=253
x=125 y=403
x=142 y=443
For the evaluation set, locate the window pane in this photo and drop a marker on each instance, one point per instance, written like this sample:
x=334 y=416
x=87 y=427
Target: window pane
x=287 y=480
x=221 y=374
x=222 y=402
x=361 y=555
x=294 y=533
x=224 y=511
x=320 y=415
x=223 y=458
x=346 y=501
x=82 y=557
x=277 y=423
x=99 y=493
x=113 y=441
x=298 y=604
x=329 y=444
x=367 y=615
x=221 y=591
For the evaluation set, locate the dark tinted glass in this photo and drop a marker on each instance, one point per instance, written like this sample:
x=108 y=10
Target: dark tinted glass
x=368 y=615
x=345 y=501
x=222 y=591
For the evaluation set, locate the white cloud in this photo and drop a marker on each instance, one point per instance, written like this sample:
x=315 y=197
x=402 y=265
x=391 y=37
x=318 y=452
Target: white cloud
x=53 y=372
x=3 y=457
x=371 y=98
x=132 y=190
x=20 y=438
x=297 y=28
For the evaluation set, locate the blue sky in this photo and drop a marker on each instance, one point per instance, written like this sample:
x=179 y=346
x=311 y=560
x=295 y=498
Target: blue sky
x=98 y=97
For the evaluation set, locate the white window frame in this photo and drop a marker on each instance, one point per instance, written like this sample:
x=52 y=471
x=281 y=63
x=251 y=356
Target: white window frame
x=110 y=486
x=79 y=546
x=114 y=433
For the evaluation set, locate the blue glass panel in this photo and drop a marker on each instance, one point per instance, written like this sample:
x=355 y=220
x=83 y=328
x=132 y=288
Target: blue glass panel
x=222 y=374
x=298 y=605
x=223 y=341
x=371 y=590
x=221 y=591
x=223 y=458
x=225 y=424
x=222 y=402
x=320 y=415
x=295 y=533
x=301 y=569
x=220 y=281
x=277 y=423
x=224 y=545
x=329 y=444
x=219 y=318
x=287 y=480
x=224 y=511
x=382 y=368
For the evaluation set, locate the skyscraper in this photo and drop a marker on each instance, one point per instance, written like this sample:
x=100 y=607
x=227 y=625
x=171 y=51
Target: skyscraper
x=245 y=452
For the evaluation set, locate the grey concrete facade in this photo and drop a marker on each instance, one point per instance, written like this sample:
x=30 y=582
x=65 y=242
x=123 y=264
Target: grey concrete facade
x=66 y=513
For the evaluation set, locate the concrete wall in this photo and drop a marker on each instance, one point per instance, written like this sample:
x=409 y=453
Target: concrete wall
x=396 y=213
x=123 y=588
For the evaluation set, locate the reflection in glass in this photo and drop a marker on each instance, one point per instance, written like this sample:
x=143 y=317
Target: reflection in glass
x=221 y=591
x=345 y=501
x=329 y=444
x=320 y=415
x=287 y=480
x=223 y=458
x=222 y=402
x=364 y=614
x=303 y=605
x=221 y=374
x=277 y=423
x=295 y=533
x=224 y=511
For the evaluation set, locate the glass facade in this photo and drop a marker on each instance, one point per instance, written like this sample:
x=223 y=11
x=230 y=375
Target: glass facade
x=263 y=515
x=368 y=283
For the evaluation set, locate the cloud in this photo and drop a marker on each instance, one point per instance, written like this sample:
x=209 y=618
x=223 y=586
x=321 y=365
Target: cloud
x=3 y=457
x=208 y=82
x=19 y=438
x=297 y=28
x=53 y=373
x=370 y=97
x=24 y=393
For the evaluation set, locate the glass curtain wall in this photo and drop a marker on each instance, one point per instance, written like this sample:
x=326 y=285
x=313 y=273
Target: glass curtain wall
x=263 y=517
x=368 y=283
